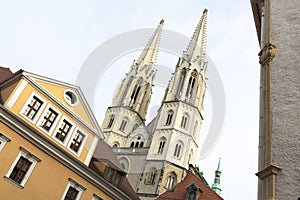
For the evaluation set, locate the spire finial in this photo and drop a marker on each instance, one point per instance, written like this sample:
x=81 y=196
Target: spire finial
x=149 y=54
x=216 y=186
x=197 y=46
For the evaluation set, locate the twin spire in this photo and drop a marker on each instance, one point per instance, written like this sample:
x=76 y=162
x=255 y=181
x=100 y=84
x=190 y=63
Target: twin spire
x=195 y=50
x=197 y=47
x=149 y=54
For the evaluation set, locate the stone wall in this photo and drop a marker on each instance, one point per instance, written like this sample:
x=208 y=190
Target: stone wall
x=285 y=34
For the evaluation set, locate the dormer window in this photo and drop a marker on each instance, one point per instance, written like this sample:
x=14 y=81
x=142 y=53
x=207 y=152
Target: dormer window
x=48 y=119
x=33 y=107
x=192 y=192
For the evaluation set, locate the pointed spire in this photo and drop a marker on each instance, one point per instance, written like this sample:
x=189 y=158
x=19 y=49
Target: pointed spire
x=216 y=185
x=149 y=54
x=197 y=46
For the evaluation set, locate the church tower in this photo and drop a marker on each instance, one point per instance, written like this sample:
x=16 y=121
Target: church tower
x=130 y=104
x=174 y=143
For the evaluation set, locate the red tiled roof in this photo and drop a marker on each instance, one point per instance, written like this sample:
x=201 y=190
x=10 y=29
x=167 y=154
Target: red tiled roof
x=180 y=189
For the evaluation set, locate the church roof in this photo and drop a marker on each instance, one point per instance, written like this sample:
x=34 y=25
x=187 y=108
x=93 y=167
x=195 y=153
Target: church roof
x=180 y=191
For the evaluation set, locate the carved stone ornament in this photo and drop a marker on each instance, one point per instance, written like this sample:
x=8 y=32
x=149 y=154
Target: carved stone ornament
x=267 y=54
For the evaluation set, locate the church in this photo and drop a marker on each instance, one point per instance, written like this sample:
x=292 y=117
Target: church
x=158 y=155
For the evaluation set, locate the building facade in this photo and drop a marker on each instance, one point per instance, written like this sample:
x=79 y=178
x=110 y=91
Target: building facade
x=157 y=155
x=277 y=25
x=48 y=142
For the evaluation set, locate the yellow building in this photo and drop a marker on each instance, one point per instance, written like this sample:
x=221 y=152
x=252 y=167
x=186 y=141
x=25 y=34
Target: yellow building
x=51 y=145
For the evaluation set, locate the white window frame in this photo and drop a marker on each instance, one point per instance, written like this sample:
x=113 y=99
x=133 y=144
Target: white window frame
x=82 y=144
x=96 y=197
x=69 y=134
x=33 y=121
x=3 y=140
x=75 y=185
x=74 y=96
x=54 y=123
x=32 y=158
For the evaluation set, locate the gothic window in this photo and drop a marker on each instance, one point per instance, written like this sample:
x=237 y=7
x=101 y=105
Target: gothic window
x=135 y=93
x=123 y=125
x=142 y=144
x=33 y=107
x=111 y=121
x=191 y=84
x=184 y=121
x=137 y=142
x=181 y=81
x=178 y=149
x=171 y=181
x=161 y=146
x=63 y=131
x=150 y=177
x=169 y=117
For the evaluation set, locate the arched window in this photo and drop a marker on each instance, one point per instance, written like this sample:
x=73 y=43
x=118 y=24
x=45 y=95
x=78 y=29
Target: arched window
x=169 y=117
x=123 y=125
x=115 y=145
x=191 y=84
x=184 y=121
x=124 y=162
x=135 y=93
x=132 y=144
x=171 y=181
x=181 y=81
x=142 y=144
x=137 y=144
x=178 y=149
x=111 y=121
x=161 y=146
x=150 y=177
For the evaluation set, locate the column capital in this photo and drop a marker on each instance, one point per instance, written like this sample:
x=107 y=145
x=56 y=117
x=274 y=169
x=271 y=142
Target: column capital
x=268 y=171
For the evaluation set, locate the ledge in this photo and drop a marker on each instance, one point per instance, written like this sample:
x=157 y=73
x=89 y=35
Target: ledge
x=268 y=171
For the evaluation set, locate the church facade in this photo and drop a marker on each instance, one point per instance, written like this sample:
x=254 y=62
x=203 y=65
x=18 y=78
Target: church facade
x=157 y=155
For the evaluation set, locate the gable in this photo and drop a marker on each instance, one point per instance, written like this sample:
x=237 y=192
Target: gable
x=68 y=96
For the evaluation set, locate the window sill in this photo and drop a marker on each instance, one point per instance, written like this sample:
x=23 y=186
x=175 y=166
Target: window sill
x=13 y=182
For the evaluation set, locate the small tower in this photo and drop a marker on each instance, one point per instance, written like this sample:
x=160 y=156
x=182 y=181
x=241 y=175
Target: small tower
x=216 y=186
x=130 y=104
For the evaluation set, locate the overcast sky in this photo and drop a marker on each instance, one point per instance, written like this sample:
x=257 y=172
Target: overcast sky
x=54 y=38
